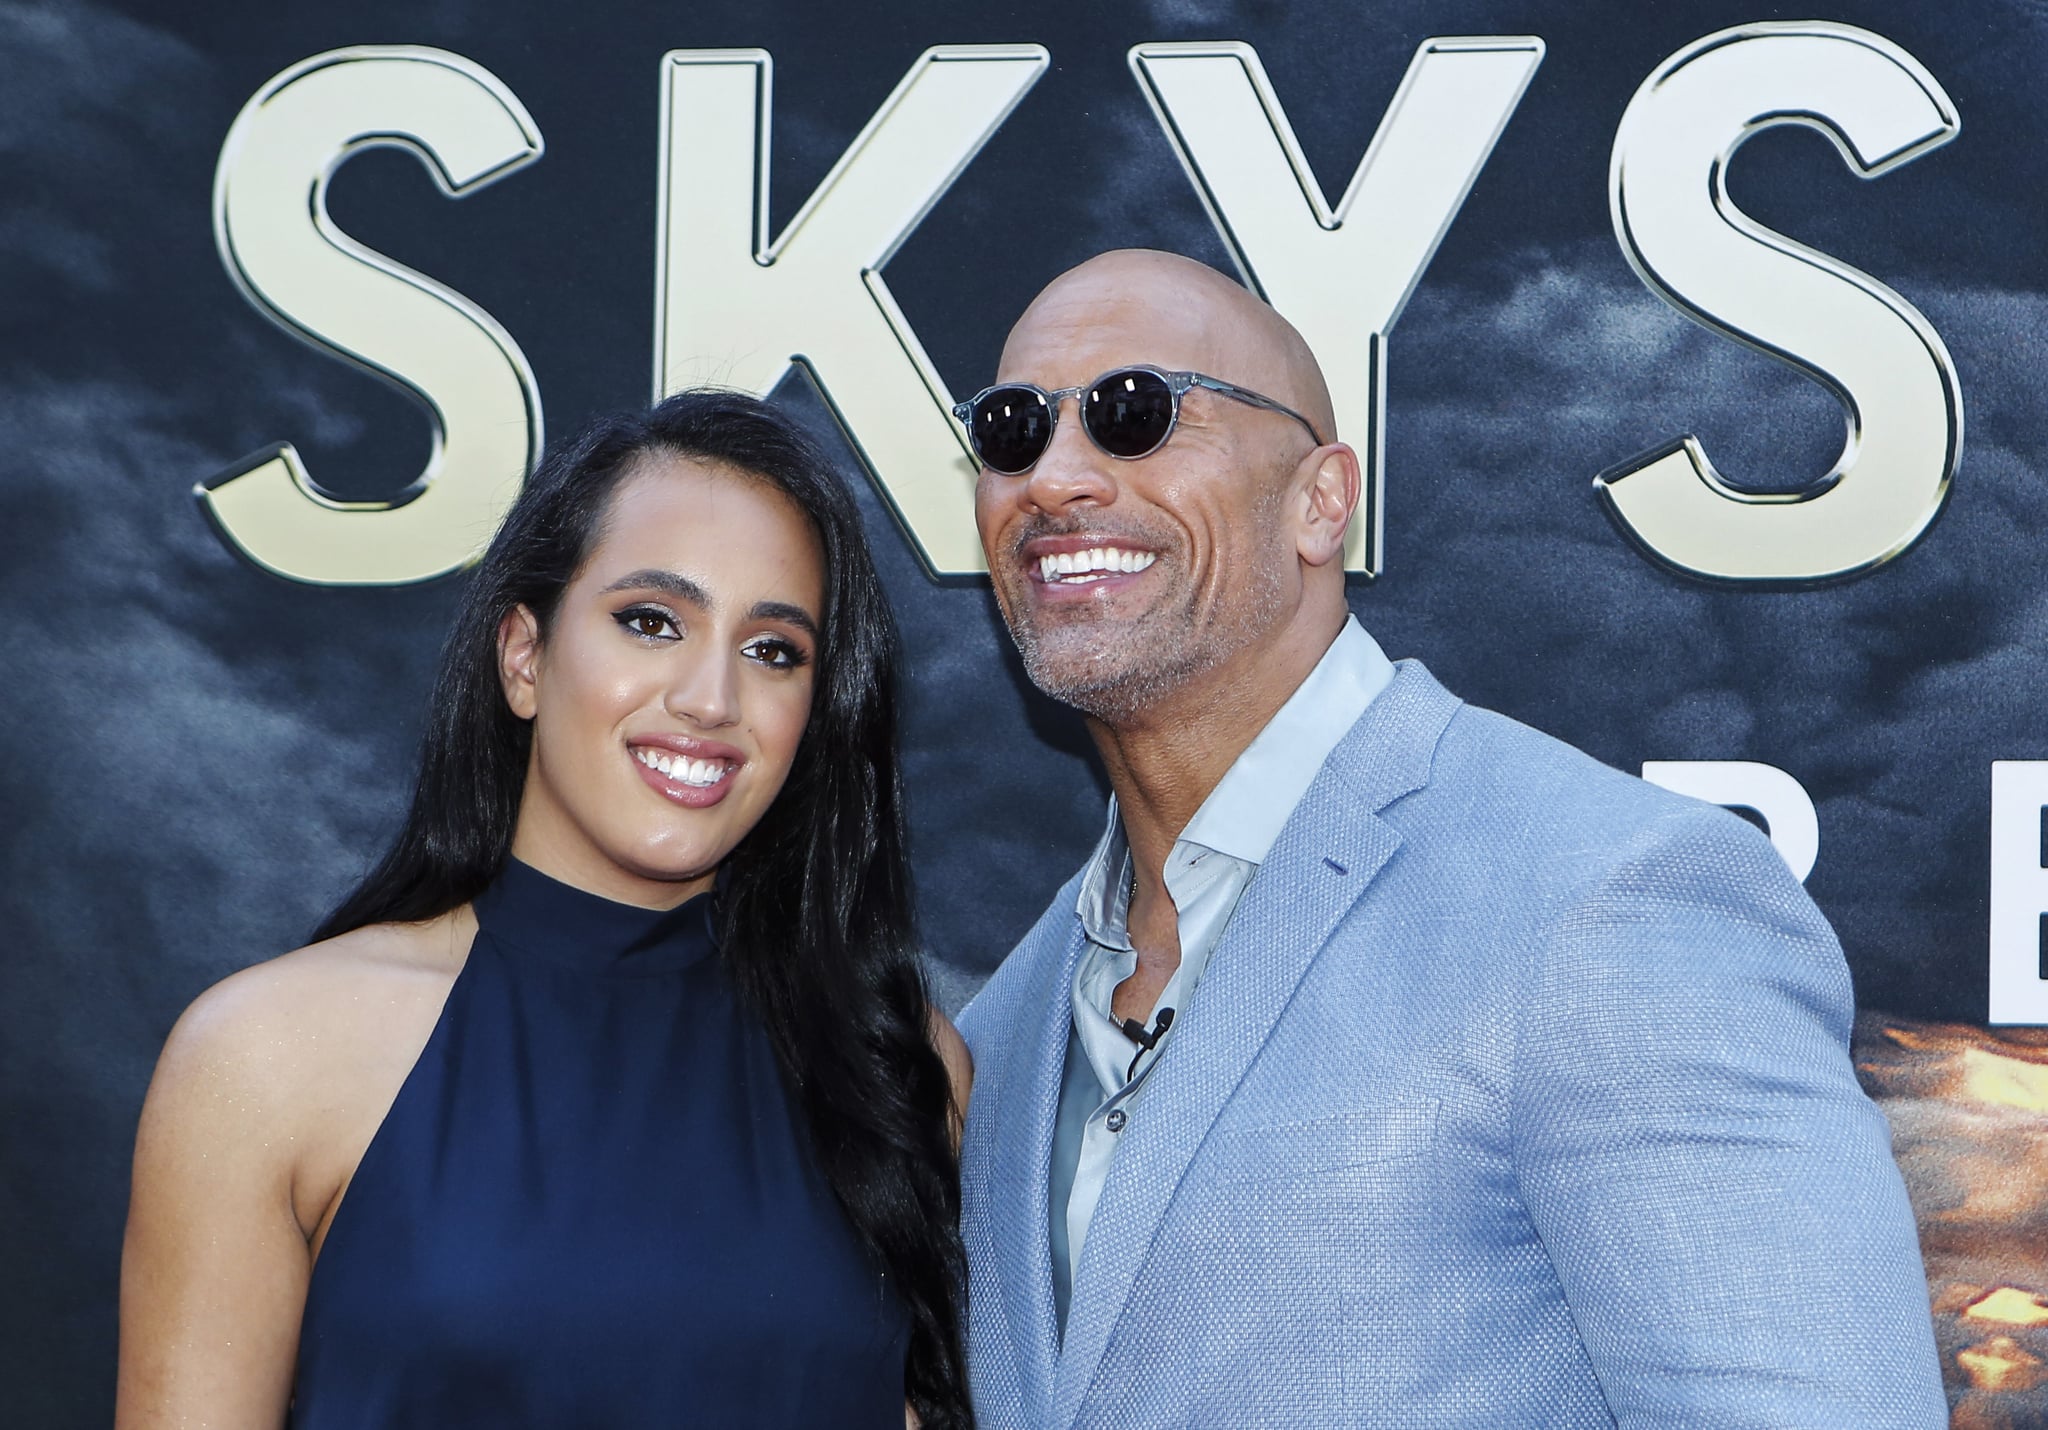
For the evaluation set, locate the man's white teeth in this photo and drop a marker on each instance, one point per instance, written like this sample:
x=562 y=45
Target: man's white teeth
x=1091 y=564
x=700 y=773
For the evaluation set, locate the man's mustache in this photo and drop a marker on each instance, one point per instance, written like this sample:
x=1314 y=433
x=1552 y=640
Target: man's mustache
x=1039 y=527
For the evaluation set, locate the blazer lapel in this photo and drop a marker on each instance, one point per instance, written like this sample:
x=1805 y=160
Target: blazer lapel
x=1019 y=1162
x=1325 y=859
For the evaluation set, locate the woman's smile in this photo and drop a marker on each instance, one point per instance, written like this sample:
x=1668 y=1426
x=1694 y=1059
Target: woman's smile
x=693 y=773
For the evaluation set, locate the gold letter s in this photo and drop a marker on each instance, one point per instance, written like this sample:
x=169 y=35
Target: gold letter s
x=1686 y=239
x=291 y=261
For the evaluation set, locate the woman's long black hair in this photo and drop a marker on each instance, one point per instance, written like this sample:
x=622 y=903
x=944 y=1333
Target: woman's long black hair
x=815 y=901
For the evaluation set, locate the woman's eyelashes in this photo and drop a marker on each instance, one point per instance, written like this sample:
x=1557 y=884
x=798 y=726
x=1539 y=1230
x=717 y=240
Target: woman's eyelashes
x=655 y=623
x=777 y=652
x=649 y=623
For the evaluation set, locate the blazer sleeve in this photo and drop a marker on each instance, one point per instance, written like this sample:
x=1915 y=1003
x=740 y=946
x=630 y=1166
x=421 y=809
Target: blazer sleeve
x=1716 y=1192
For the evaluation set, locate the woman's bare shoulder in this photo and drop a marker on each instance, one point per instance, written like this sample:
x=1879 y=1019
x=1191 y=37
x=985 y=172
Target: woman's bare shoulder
x=277 y=1038
x=268 y=1089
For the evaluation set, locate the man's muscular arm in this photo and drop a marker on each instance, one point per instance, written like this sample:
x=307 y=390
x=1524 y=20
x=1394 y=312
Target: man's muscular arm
x=1718 y=1195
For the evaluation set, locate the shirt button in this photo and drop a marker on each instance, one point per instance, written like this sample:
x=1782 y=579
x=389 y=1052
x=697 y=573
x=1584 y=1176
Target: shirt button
x=1116 y=1119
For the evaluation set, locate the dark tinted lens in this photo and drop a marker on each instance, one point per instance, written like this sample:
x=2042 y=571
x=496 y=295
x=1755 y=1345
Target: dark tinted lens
x=1128 y=413
x=1010 y=429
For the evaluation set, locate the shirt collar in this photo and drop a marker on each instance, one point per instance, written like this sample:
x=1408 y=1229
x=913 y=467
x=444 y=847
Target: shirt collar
x=1105 y=901
x=1252 y=803
x=1245 y=813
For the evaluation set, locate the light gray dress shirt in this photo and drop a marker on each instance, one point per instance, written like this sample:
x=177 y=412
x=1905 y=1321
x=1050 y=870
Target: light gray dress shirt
x=1206 y=873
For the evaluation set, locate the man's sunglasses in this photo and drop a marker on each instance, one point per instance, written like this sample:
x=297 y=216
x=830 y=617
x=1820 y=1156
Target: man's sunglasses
x=1128 y=413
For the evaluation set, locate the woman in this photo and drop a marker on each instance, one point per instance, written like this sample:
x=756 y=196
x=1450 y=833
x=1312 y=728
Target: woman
x=612 y=1097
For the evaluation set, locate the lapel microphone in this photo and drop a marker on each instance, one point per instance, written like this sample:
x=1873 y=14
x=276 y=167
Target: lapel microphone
x=1146 y=1040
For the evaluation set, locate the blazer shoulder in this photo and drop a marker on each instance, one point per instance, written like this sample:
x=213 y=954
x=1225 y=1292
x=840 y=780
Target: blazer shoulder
x=1504 y=757
x=1538 y=805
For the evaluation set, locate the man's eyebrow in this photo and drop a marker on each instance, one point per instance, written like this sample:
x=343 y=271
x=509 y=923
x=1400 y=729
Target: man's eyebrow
x=783 y=611
x=668 y=582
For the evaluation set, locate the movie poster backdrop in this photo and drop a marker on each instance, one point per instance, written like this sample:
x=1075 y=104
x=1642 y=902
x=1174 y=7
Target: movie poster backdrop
x=1696 y=351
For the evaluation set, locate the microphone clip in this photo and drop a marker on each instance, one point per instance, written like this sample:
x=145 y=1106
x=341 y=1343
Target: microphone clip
x=1146 y=1038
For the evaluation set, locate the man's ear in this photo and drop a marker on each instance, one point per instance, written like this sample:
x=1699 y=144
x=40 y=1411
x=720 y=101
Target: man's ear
x=519 y=661
x=1328 y=498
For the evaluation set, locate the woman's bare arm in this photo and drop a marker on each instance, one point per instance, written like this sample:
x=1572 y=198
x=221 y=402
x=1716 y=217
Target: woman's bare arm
x=952 y=1050
x=215 y=1264
x=267 y=1092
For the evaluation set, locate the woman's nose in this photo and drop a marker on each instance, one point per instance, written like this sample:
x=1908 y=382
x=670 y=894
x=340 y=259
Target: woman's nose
x=703 y=689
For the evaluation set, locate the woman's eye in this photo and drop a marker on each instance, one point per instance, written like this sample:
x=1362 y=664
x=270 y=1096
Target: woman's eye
x=775 y=652
x=652 y=624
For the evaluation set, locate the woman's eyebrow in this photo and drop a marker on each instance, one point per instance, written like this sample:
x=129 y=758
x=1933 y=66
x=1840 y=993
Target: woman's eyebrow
x=684 y=589
x=783 y=611
x=668 y=582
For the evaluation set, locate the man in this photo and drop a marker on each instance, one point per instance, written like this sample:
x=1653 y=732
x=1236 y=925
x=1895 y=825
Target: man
x=1389 y=1063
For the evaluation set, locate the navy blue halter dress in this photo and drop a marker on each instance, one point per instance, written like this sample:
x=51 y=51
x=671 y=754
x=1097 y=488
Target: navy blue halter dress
x=593 y=1205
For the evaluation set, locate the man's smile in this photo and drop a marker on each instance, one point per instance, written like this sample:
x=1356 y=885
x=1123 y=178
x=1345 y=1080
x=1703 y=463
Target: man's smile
x=1083 y=560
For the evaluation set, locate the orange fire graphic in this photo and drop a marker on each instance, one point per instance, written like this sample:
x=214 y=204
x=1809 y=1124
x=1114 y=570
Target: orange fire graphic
x=1969 y=1115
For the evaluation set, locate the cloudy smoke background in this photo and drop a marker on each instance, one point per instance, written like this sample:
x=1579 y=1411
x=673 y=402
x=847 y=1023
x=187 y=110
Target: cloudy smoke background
x=199 y=758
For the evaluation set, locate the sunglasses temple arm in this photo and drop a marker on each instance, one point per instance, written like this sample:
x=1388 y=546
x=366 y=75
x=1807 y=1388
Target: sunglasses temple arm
x=1254 y=399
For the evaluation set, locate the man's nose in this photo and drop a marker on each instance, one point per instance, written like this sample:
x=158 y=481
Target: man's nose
x=1072 y=470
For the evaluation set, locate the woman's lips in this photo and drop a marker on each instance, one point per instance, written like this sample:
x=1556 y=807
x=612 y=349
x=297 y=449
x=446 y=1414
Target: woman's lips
x=693 y=781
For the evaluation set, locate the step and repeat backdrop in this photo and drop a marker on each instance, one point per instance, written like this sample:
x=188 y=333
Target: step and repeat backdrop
x=1698 y=353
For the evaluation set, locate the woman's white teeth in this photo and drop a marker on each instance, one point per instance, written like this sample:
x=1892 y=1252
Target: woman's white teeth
x=1093 y=564
x=683 y=771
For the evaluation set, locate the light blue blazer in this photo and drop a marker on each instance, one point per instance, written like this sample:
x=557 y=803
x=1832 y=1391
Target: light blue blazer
x=1517 y=1093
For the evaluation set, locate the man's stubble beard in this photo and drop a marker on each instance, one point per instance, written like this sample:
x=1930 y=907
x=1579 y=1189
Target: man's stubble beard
x=1116 y=670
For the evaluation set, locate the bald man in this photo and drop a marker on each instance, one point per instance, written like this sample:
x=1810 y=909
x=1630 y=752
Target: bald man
x=1389 y=1063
